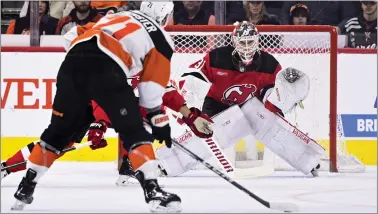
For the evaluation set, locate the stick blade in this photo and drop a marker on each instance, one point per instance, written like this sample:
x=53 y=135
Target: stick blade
x=286 y=207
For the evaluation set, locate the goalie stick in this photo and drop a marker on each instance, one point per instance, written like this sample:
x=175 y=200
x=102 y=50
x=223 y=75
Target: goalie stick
x=287 y=207
x=64 y=151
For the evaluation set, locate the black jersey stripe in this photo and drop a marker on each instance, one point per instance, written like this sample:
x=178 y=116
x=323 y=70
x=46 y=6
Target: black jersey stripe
x=195 y=74
x=160 y=42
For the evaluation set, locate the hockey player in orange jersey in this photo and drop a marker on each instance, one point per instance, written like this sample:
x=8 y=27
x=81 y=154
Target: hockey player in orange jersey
x=193 y=117
x=105 y=54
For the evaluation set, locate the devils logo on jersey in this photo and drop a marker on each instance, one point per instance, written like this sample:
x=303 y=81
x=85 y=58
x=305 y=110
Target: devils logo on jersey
x=238 y=94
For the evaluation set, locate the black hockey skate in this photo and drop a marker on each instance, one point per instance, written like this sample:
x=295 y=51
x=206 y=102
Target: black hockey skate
x=158 y=199
x=126 y=173
x=24 y=193
x=315 y=171
x=4 y=173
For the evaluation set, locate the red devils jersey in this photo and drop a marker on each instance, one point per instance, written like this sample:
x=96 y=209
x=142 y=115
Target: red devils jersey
x=229 y=85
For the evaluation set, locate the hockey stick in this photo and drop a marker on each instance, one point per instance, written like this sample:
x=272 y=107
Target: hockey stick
x=287 y=207
x=219 y=154
x=64 y=151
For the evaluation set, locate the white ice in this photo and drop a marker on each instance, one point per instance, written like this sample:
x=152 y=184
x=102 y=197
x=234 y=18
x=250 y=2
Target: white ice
x=90 y=187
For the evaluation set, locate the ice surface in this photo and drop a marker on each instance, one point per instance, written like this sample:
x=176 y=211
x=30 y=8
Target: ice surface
x=90 y=188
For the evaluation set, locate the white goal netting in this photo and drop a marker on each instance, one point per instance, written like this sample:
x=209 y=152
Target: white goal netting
x=307 y=51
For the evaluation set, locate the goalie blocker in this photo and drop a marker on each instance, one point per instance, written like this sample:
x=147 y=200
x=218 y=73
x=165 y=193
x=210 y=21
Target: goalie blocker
x=253 y=118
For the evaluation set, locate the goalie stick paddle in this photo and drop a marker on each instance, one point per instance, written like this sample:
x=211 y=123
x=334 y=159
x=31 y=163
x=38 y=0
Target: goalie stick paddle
x=287 y=207
x=64 y=151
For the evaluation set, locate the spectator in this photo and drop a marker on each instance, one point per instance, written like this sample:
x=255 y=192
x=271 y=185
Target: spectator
x=299 y=15
x=192 y=14
x=234 y=12
x=103 y=7
x=254 y=12
x=361 y=30
x=58 y=9
x=80 y=15
x=322 y=12
x=207 y=6
x=131 y=5
x=47 y=24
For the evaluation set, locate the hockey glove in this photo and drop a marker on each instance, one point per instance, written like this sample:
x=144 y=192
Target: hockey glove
x=96 y=133
x=161 y=130
x=199 y=123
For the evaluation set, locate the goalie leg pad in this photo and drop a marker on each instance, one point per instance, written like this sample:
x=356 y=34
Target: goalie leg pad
x=250 y=145
x=282 y=138
x=169 y=160
x=229 y=127
x=176 y=162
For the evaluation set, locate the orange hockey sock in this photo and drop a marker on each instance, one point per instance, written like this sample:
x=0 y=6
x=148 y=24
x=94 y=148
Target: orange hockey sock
x=141 y=154
x=42 y=157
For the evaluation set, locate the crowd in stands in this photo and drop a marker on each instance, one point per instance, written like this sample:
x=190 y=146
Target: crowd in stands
x=356 y=19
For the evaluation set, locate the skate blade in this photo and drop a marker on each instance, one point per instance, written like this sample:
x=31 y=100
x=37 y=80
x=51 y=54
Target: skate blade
x=18 y=205
x=130 y=181
x=125 y=180
x=172 y=207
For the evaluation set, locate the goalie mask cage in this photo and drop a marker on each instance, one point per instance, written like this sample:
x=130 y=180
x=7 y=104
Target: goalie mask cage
x=312 y=49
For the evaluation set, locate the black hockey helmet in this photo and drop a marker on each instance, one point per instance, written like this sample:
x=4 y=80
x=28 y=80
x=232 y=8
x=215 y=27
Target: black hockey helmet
x=245 y=38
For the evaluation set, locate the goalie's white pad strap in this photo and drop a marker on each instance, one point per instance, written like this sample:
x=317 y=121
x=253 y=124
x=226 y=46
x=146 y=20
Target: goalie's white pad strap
x=291 y=87
x=282 y=138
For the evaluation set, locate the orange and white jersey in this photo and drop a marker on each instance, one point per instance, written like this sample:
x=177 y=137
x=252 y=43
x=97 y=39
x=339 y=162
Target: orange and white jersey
x=137 y=44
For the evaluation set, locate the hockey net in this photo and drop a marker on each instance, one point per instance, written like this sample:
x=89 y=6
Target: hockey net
x=312 y=49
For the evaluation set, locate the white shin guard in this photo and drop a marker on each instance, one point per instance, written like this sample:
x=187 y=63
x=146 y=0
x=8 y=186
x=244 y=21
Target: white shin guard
x=282 y=138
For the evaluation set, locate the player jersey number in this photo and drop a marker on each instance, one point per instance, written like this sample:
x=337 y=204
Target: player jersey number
x=121 y=33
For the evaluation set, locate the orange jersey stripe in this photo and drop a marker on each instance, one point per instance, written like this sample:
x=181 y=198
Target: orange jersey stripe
x=109 y=43
x=83 y=29
x=157 y=68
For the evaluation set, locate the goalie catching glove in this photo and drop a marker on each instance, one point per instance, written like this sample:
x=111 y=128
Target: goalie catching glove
x=199 y=123
x=291 y=87
x=96 y=133
x=159 y=122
